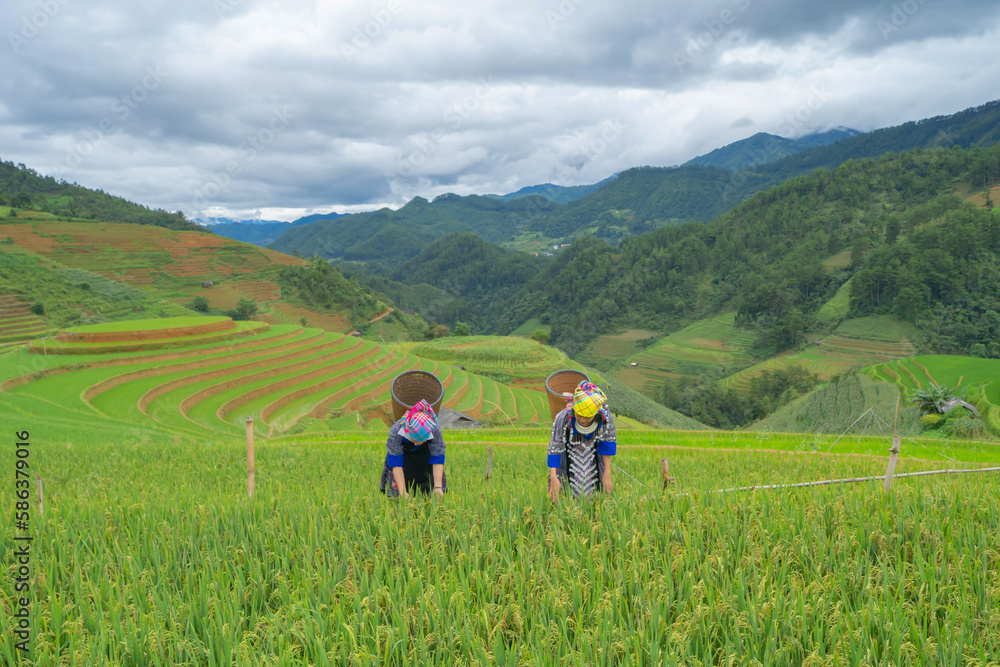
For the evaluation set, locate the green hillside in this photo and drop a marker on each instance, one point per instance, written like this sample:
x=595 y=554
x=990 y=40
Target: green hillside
x=25 y=189
x=852 y=404
x=392 y=237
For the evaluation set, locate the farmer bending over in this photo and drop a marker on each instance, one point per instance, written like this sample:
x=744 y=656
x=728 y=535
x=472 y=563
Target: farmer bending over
x=414 y=458
x=583 y=442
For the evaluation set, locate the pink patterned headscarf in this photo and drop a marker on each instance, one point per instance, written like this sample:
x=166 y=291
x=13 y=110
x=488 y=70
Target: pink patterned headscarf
x=419 y=422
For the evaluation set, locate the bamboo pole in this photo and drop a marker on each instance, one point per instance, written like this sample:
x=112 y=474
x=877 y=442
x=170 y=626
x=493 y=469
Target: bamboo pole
x=41 y=498
x=250 y=458
x=854 y=479
x=489 y=463
x=893 y=457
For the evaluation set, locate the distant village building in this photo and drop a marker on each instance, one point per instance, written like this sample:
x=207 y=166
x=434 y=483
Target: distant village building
x=955 y=402
x=207 y=283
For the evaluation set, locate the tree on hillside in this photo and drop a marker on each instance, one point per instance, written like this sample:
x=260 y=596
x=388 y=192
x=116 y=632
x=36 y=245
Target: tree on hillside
x=461 y=329
x=541 y=335
x=245 y=310
x=437 y=331
x=200 y=304
x=931 y=400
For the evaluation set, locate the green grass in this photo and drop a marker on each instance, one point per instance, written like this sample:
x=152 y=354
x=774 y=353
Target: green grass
x=150 y=553
x=838 y=306
x=530 y=327
x=877 y=327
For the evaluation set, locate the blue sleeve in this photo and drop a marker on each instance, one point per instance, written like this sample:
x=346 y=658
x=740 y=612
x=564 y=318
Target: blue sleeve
x=394 y=447
x=555 y=460
x=608 y=444
x=437 y=446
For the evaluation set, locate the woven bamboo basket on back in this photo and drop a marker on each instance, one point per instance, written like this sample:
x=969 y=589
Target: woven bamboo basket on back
x=411 y=387
x=560 y=383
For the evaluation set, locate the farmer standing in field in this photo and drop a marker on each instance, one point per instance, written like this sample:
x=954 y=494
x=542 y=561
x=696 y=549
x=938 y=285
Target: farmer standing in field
x=414 y=459
x=582 y=444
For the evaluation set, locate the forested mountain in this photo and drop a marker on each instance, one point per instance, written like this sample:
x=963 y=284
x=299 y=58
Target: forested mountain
x=765 y=256
x=459 y=278
x=638 y=200
x=24 y=188
x=916 y=250
x=763 y=148
x=393 y=237
x=559 y=194
x=648 y=197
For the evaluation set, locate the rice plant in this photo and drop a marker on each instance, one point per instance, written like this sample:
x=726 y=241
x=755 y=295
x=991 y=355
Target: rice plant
x=152 y=554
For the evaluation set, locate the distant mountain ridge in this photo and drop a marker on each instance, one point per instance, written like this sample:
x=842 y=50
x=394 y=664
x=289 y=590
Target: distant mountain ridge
x=763 y=148
x=635 y=201
x=559 y=194
x=263 y=232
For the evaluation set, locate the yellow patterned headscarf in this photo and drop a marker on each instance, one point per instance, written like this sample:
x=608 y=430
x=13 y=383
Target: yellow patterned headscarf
x=588 y=400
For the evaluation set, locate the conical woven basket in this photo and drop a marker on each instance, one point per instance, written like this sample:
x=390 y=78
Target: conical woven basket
x=411 y=387
x=560 y=382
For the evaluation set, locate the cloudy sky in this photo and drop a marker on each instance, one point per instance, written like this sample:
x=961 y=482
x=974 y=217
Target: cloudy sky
x=278 y=109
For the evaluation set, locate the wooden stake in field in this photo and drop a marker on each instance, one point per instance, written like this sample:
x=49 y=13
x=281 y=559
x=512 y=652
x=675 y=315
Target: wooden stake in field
x=894 y=450
x=489 y=464
x=893 y=457
x=41 y=498
x=250 y=458
x=667 y=479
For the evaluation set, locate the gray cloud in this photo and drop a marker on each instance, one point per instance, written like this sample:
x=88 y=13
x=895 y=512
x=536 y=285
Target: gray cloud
x=225 y=107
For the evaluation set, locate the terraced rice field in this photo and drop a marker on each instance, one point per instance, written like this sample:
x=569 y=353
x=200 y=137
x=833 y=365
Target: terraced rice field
x=512 y=359
x=286 y=313
x=831 y=356
x=959 y=373
x=136 y=253
x=209 y=384
x=707 y=344
x=17 y=322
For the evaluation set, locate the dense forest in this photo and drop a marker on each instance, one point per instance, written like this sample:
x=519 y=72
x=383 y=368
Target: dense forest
x=913 y=246
x=24 y=188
